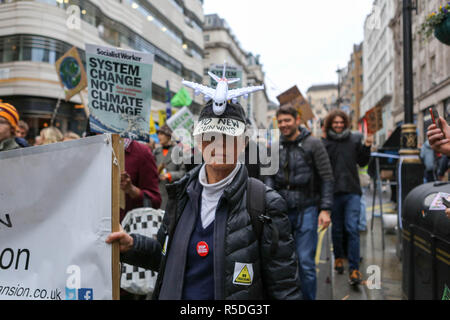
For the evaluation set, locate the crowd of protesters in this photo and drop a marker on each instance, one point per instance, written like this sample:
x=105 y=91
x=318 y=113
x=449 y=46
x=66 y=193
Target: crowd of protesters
x=224 y=218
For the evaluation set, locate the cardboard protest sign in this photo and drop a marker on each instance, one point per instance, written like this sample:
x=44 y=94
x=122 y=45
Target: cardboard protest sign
x=120 y=91
x=230 y=72
x=374 y=119
x=52 y=232
x=294 y=98
x=288 y=95
x=71 y=73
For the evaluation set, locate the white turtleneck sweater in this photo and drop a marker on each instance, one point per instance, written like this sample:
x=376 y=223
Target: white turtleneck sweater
x=212 y=193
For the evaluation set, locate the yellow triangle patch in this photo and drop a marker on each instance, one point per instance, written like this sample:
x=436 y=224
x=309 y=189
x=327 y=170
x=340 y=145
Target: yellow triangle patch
x=243 y=276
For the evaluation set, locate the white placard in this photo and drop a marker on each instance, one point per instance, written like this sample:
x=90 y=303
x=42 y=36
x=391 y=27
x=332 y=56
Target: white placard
x=55 y=213
x=182 y=125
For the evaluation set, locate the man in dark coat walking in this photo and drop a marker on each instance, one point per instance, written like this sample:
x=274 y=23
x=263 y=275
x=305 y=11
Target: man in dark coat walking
x=346 y=151
x=305 y=181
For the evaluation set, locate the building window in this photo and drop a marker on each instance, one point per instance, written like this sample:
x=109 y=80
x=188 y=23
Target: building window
x=177 y=5
x=152 y=18
x=115 y=33
x=32 y=48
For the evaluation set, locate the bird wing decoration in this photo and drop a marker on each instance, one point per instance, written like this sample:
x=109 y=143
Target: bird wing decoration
x=236 y=93
x=198 y=88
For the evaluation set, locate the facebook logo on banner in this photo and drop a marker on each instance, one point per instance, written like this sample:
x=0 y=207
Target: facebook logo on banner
x=71 y=294
x=85 y=294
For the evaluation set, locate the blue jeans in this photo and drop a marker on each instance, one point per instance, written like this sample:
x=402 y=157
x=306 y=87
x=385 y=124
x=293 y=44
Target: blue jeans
x=305 y=235
x=345 y=218
x=362 y=217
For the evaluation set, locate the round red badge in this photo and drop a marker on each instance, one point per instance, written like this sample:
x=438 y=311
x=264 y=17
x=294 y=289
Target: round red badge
x=202 y=249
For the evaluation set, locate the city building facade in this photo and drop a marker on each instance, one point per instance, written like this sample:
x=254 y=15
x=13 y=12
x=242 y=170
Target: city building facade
x=34 y=34
x=431 y=70
x=378 y=65
x=322 y=98
x=351 y=86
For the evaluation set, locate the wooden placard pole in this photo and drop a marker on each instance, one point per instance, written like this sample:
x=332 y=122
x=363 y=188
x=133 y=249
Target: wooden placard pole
x=122 y=166
x=117 y=144
x=86 y=107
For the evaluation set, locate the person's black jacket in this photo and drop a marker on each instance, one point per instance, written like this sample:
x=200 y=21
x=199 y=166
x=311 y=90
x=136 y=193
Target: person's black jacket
x=252 y=161
x=275 y=277
x=344 y=155
x=304 y=178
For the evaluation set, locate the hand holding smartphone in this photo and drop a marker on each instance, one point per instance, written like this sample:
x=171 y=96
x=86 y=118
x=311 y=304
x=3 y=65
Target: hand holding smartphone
x=439 y=134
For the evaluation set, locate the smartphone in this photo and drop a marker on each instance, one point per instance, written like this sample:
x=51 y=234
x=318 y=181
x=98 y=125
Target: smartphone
x=435 y=115
x=436 y=120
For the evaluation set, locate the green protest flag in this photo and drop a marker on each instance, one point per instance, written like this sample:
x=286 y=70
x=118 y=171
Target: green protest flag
x=181 y=99
x=446 y=295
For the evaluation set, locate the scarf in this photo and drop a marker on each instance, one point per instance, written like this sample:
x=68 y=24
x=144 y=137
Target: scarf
x=338 y=136
x=211 y=194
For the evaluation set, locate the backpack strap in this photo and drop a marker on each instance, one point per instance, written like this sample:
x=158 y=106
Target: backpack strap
x=256 y=207
x=256 y=191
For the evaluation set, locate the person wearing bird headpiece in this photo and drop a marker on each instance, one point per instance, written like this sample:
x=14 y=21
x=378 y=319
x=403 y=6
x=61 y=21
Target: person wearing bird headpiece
x=224 y=236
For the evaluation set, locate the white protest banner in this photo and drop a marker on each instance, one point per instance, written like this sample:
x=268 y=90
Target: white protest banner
x=182 y=125
x=56 y=210
x=120 y=91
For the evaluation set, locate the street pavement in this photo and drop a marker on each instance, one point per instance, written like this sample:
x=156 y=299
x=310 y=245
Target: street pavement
x=381 y=269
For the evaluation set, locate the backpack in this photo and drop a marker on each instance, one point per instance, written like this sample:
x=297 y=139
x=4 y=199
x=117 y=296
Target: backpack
x=256 y=190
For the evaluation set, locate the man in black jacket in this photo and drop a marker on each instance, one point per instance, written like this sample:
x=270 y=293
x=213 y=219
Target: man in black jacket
x=207 y=247
x=305 y=181
x=346 y=150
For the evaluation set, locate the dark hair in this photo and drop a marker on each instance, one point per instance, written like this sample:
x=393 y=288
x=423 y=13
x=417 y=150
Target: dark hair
x=22 y=124
x=333 y=114
x=287 y=109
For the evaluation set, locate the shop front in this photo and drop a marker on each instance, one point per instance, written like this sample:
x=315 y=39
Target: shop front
x=37 y=112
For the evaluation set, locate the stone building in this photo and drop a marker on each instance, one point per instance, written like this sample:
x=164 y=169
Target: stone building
x=322 y=98
x=431 y=69
x=378 y=65
x=34 y=34
x=351 y=88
